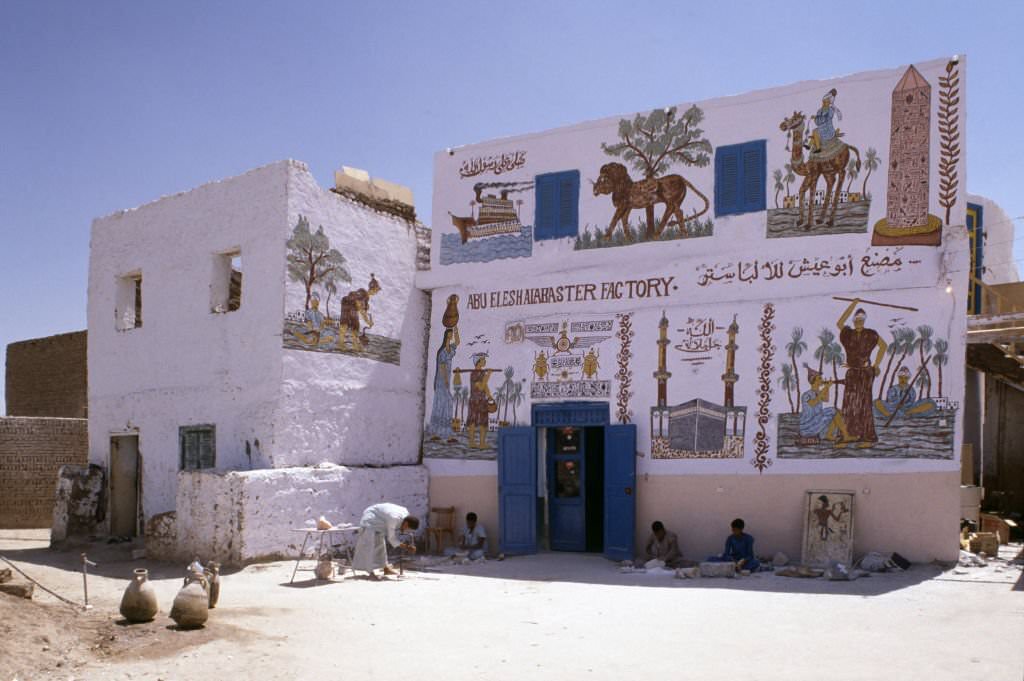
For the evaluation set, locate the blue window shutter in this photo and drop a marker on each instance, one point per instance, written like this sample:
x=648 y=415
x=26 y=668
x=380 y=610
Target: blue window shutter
x=754 y=176
x=557 y=197
x=568 y=203
x=727 y=178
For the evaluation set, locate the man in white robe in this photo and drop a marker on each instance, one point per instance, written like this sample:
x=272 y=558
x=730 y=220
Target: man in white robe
x=379 y=527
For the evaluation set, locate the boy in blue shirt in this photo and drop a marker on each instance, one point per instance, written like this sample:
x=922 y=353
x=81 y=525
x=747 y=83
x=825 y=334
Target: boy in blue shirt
x=739 y=549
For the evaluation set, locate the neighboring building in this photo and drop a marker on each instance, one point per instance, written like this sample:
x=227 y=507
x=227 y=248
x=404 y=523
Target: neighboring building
x=587 y=279
x=45 y=426
x=47 y=376
x=243 y=332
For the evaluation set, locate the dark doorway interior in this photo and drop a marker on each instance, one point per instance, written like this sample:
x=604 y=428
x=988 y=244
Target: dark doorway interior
x=593 y=441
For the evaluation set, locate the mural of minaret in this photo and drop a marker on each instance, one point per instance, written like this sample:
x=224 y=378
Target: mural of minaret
x=907 y=221
x=659 y=413
x=730 y=377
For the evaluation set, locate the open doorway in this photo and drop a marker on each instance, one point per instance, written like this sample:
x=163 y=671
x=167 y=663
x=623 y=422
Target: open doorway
x=575 y=493
x=124 y=485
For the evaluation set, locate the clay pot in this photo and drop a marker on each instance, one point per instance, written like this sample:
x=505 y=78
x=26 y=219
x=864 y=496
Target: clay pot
x=138 y=604
x=323 y=524
x=213 y=582
x=450 y=318
x=324 y=568
x=191 y=606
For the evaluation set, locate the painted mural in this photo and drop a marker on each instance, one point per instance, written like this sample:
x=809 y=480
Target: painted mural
x=698 y=428
x=323 y=272
x=652 y=144
x=848 y=405
x=907 y=221
x=568 y=364
x=828 y=528
x=829 y=159
x=949 y=135
x=765 y=368
x=493 y=229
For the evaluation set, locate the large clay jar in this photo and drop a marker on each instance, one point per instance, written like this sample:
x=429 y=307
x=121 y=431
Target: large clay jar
x=191 y=606
x=450 y=318
x=213 y=582
x=138 y=604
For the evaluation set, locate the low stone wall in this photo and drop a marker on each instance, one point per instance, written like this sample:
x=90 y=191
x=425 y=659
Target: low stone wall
x=80 y=504
x=32 y=450
x=243 y=516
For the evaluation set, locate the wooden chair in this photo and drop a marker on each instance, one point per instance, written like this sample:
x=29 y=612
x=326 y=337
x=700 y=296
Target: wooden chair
x=442 y=522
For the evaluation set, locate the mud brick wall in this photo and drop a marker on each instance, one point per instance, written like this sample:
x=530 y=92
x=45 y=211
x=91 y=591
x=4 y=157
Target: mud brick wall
x=32 y=450
x=47 y=376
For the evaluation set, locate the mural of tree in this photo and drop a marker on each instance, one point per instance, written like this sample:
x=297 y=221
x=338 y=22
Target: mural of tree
x=871 y=162
x=787 y=383
x=941 y=358
x=908 y=342
x=653 y=143
x=924 y=344
x=789 y=178
x=312 y=261
x=794 y=348
x=895 y=347
x=777 y=177
x=835 y=355
x=852 y=171
x=825 y=339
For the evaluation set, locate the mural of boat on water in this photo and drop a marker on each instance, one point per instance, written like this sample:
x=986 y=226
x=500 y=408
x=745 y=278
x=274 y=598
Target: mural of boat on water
x=493 y=229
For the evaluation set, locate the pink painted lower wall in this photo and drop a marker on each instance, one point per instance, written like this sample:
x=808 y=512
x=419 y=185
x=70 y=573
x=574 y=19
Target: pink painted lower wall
x=914 y=514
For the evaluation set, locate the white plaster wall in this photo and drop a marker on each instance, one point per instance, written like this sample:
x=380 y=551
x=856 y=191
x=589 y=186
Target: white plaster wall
x=712 y=275
x=864 y=99
x=249 y=515
x=999 y=229
x=187 y=365
x=340 y=408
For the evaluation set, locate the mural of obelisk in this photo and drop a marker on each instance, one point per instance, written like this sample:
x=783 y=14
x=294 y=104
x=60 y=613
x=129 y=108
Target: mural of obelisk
x=907 y=221
x=659 y=413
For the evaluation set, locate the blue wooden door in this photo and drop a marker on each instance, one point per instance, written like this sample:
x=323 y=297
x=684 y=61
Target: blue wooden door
x=517 y=489
x=619 y=491
x=567 y=500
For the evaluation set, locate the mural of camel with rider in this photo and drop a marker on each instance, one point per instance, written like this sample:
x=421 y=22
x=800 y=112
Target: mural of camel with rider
x=820 y=155
x=653 y=143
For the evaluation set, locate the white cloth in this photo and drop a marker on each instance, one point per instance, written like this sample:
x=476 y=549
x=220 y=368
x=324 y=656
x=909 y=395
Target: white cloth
x=378 y=528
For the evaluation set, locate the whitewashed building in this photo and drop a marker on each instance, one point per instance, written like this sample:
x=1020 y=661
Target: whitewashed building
x=255 y=359
x=751 y=306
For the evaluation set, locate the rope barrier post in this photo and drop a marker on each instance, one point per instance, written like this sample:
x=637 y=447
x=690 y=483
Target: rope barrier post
x=85 y=578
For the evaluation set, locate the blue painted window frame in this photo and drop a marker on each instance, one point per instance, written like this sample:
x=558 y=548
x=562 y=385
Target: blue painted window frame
x=741 y=175
x=557 y=205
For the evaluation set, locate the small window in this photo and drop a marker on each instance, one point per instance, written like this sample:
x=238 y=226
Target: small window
x=226 y=287
x=128 y=308
x=557 y=212
x=198 y=447
x=740 y=174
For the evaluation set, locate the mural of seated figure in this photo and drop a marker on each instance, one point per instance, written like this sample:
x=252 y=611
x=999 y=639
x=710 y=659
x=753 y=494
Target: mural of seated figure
x=816 y=419
x=901 y=400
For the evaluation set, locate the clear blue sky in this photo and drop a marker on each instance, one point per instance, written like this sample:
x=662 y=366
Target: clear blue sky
x=108 y=105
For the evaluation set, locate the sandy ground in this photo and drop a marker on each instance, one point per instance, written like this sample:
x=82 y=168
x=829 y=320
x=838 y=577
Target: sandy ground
x=552 y=616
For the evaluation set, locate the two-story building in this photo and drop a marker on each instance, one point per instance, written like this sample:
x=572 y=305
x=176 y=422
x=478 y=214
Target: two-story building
x=750 y=306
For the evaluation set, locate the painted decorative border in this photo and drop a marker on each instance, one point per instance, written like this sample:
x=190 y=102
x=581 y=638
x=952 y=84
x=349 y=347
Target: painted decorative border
x=949 y=136
x=762 y=446
x=624 y=374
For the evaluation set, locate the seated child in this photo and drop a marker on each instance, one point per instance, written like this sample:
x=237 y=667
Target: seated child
x=472 y=539
x=739 y=549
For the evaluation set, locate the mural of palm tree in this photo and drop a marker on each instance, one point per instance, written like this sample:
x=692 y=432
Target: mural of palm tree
x=825 y=339
x=941 y=358
x=795 y=347
x=517 y=399
x=836 y=357
x=777 y=177
x=852 y=171
x=924 y=344
x=908 y=344
x=871 y=162
x=789 y=178
x=505 y=392
x=895 y=348
x=787 y=383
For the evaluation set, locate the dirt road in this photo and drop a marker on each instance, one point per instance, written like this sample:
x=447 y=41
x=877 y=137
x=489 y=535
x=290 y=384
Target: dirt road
x=553 y=616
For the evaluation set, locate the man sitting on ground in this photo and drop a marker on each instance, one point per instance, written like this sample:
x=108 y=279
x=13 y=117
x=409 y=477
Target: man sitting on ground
x=473 y=538
x=739 y=549
x=662 y=545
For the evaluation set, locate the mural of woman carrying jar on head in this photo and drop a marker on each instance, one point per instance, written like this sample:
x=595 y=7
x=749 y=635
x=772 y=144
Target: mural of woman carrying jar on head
x=443 y=413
